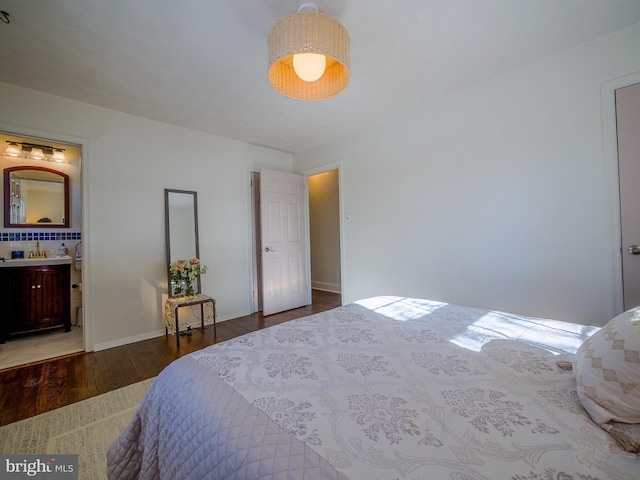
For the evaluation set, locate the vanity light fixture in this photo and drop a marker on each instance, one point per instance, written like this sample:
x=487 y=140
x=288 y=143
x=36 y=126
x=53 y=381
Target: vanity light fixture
x=35 y=151
x=309 y=55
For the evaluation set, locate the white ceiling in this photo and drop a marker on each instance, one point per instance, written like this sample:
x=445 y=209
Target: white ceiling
x=203 y=64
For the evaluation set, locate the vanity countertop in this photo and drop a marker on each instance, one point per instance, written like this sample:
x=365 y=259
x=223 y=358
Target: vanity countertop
x=35 y=262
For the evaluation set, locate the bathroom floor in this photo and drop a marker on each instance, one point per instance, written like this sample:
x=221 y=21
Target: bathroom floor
x=34 y=347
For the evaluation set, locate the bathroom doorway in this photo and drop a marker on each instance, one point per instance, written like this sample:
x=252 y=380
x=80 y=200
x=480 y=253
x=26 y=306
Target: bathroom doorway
x=53 y=238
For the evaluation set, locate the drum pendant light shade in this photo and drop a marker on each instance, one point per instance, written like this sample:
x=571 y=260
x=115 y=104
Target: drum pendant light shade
x=309 y=32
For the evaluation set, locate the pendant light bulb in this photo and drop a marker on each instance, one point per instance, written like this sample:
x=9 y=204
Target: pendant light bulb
x=309 y=66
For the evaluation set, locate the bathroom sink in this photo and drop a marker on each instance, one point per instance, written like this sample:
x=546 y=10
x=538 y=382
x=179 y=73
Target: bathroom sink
x=35 y=262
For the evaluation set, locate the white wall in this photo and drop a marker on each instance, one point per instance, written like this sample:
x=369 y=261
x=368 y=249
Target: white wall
x=498 y=196
x=127 y=163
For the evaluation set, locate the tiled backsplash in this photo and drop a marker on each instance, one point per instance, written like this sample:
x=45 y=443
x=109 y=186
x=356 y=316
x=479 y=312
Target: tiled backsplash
x=26 y=236
x=49 y=241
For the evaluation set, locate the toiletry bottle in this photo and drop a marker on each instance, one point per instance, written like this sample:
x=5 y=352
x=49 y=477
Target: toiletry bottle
x=62 y=251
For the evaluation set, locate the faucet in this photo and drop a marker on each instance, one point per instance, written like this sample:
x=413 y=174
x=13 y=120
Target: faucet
x=37 y=253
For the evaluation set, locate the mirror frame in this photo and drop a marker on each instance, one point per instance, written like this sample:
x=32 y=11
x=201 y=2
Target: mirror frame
x=167 y=223
x=7 y=199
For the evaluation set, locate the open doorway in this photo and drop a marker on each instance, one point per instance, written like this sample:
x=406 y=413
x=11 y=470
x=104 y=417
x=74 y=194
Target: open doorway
x=324 y=231
x=41 y=231
x=324 y=240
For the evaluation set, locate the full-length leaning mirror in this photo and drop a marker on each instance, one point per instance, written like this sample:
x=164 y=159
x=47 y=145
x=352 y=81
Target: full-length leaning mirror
x=181 y=228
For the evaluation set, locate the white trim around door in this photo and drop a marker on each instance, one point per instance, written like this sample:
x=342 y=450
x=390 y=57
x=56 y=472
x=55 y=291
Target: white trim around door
x=610 y=142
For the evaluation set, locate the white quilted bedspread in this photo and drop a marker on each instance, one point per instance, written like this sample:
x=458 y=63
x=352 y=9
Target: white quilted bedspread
x=386 y=388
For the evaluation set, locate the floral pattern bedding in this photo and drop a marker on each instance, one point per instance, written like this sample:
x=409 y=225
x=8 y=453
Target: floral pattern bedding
x=392 y=387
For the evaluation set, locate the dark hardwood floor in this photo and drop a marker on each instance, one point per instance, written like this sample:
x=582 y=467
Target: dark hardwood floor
x=40 y=387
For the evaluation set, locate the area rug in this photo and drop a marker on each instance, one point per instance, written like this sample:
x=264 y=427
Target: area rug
x=84 y=428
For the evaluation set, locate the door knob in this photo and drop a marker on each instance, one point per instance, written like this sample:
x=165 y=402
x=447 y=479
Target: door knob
x=634 y=249
x=267 y=249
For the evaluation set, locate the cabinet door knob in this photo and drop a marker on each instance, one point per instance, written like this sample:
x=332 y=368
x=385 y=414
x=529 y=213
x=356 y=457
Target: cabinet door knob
x=39 y=286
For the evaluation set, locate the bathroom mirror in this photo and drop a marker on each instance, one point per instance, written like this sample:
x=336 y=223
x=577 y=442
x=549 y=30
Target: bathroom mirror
x=181 y=228
x=35 y=197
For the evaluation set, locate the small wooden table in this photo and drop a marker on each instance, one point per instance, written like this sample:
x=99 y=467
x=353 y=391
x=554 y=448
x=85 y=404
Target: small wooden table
x=171 y=306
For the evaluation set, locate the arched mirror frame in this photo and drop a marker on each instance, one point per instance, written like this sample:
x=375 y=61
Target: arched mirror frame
x=7 y=198
x=172 y=199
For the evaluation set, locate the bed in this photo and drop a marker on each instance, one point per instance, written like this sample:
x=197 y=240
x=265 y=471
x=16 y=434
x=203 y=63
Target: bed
x=383 y=388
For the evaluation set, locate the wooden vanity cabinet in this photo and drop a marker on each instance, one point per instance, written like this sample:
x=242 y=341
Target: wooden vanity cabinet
x=34 y=298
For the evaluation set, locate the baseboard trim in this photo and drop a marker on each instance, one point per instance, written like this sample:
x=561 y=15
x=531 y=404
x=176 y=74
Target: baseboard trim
x=127 y=340
x=156 y=333
x=326 y=287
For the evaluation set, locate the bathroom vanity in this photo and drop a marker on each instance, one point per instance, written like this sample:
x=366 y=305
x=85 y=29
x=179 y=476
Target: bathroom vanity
x=35 y=294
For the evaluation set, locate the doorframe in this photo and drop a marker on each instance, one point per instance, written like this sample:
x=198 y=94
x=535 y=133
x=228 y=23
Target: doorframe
x=253 y=226
x=255 y=249
x=610 y=147
x=83 y=143
x=305 y=175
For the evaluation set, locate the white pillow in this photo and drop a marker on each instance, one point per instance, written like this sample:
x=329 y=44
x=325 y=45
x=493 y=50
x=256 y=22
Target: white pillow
x=607 y=368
